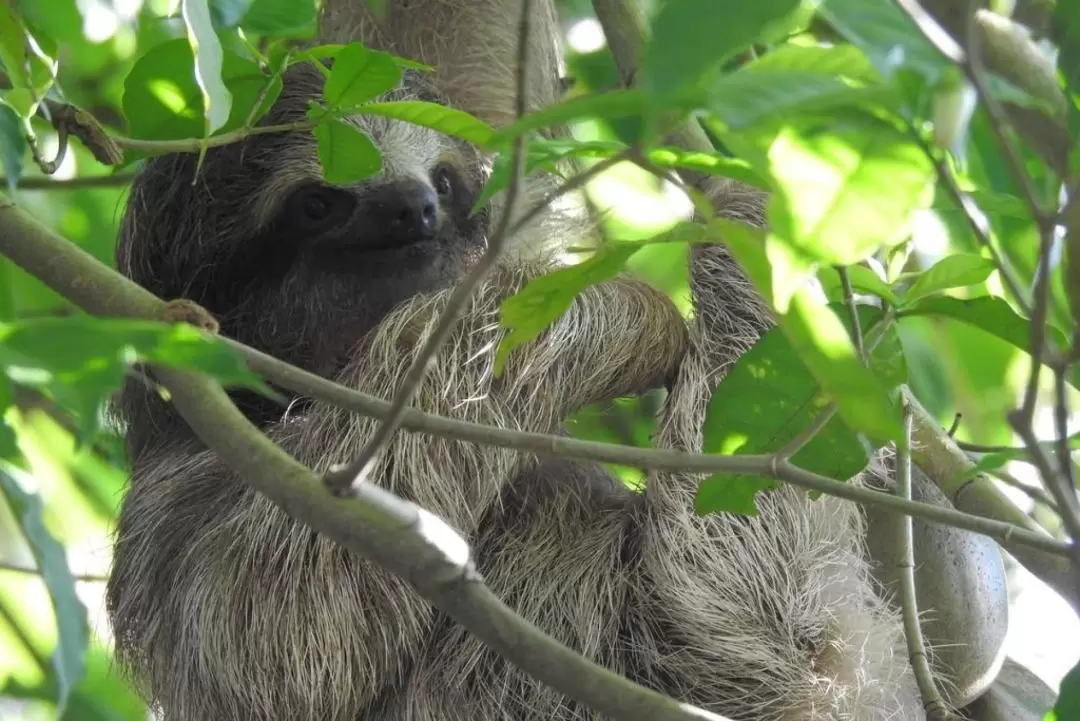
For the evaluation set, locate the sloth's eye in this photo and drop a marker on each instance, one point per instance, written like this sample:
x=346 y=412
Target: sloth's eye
x=443 y=181
x=317 y=206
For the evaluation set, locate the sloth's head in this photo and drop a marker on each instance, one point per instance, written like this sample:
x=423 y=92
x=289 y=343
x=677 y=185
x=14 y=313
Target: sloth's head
x=294 y=265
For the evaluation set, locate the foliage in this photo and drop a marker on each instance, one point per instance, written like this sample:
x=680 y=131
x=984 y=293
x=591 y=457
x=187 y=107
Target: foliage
x=842 y=109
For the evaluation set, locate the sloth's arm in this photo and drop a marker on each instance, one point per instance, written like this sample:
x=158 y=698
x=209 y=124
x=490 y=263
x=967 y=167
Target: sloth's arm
x=619 y=337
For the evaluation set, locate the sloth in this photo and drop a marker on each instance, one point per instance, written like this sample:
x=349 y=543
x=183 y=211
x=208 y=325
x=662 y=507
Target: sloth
x=223 y=607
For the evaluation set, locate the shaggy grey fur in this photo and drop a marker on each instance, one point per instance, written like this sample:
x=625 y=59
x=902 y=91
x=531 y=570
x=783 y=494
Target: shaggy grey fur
x=226 y=609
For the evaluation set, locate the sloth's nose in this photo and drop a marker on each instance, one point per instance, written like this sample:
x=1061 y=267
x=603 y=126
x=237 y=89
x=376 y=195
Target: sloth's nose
x=402 y=212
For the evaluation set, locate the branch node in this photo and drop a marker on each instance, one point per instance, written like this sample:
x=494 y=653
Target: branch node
x=182 y=310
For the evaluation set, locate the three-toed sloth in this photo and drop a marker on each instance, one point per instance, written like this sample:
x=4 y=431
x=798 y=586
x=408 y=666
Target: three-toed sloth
x=227 y=609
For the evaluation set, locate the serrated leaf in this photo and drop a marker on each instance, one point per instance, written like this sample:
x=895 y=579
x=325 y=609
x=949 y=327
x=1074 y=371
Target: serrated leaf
x=280 y=18
x=991 y=314
x=81 y=360
x=451 y=121
x=847 y=188
x=162 y=101
x=821 y=340
x=217 y=101
x=691 y=39
x=73 y=636
x=347 y=155
x=358 y=75
x=545 y=299
x=12 y=146
x=952 y=271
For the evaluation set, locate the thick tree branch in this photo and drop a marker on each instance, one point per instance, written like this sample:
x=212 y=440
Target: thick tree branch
x=98 y=289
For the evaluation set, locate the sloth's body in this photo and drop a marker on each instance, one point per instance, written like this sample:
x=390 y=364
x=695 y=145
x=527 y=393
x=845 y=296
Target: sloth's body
x=228 y=609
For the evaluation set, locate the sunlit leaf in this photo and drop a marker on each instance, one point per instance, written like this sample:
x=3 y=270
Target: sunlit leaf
x=822 y=342
x=690 y=39
x=8 y=447
x=767 y=399
x=952 y=271
x=73 y=634
x=863 y=280
x=451 y=121
x=217 y=101
x=59 y=20
x=545 y=299
x=81 y=360
x=162 y=101
x=846 y=188
x=347 y=155
x=359 y=75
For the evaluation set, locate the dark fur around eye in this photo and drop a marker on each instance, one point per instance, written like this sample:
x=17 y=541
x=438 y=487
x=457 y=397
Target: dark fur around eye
x=318 y=208
x=446 y=181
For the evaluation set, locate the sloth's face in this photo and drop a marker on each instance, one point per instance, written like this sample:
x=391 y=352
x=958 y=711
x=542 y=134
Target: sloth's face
x=294 y=265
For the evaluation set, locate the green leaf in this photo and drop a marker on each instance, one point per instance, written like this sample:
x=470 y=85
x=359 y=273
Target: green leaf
x=228 y=13
x=59 y=20
x=68 y=661
x=952 y=271
x=12 y=146
x=847 y=188
x=358 y=75
x=822 y=342
x=280 y=18
x=608 y=105
x=217 y=101
x=30 y=74
x=747 y=98
x=766 y=399
x=453 y=122
x=1067 y=707
x=81 y=360
x=8 y=446
x=887 y=36
x=863 y=280
x=544 y=300
x=162 y=101
x=991 y=314
x=347 y=155
x=691 y=39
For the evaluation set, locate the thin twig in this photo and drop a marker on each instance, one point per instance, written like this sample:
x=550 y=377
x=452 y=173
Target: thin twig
x=342 y=479
x=807 y=434
x=1061 y=420
x=849 y=301
x=976 y=221
x=196 y=145
x=916 y=645
x=1035 y=493
x=12 y=567
x=79 y=183
x=955 y=426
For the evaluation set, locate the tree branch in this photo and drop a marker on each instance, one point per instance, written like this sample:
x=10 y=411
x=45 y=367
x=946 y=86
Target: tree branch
x=916 y=645
x=98 y=289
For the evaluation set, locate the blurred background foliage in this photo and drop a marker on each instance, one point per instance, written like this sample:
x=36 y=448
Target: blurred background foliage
x=955 y=370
